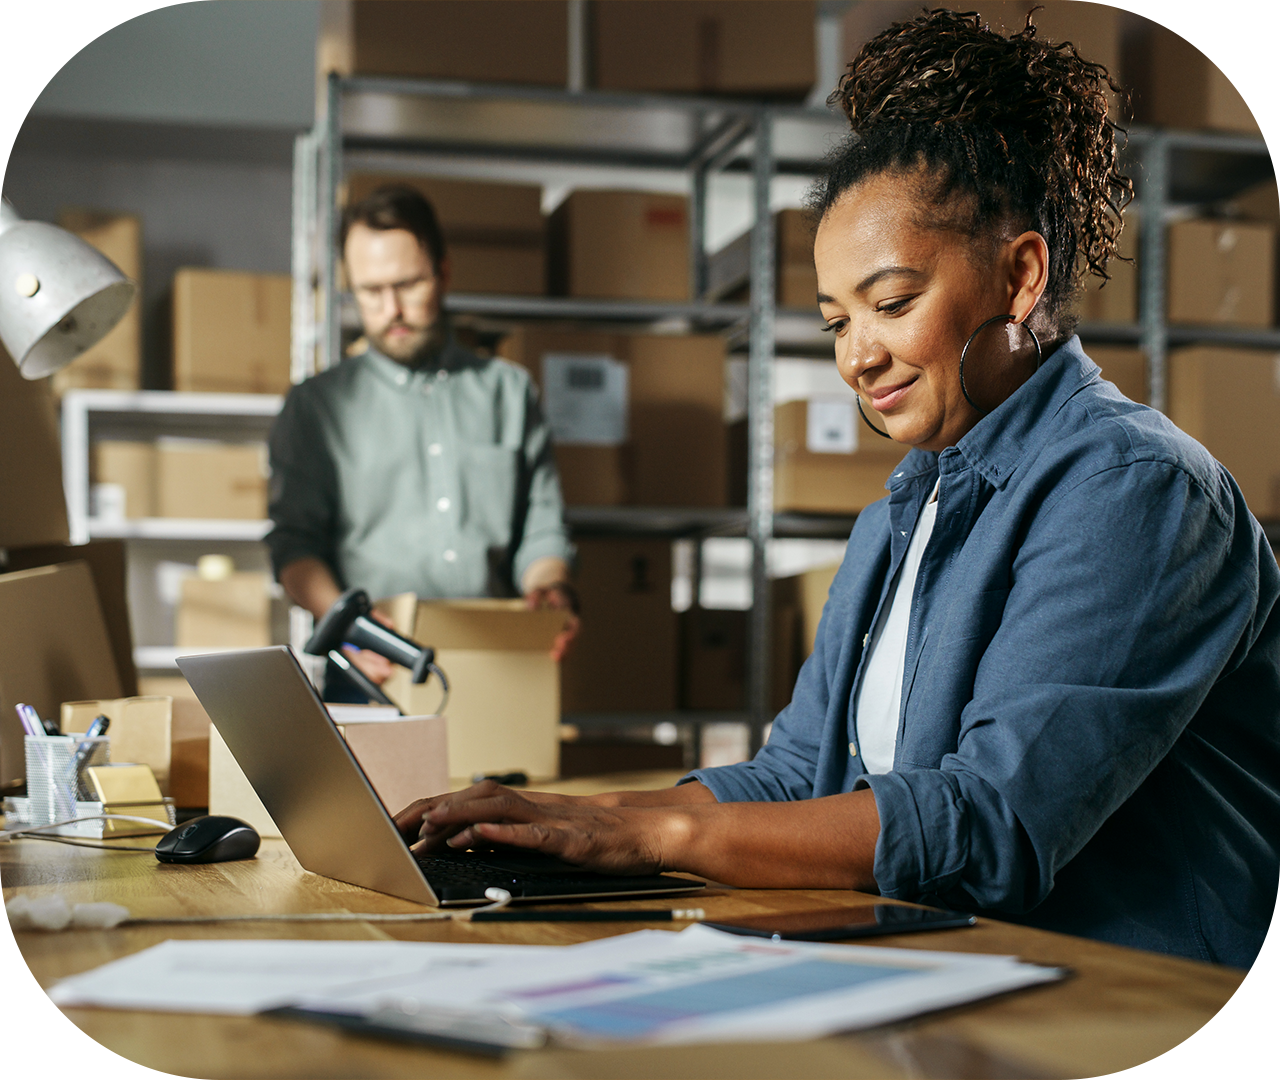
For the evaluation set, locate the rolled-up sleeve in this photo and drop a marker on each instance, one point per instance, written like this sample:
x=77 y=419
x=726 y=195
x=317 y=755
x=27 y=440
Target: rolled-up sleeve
x=303 y=495
x=1130 y=594
x=542 y=533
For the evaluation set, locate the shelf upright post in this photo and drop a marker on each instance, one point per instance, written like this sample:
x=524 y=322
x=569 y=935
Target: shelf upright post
x=330 y=168
x=698 y=229
x=1152 y=268
x=304 y=258
x=760 y=428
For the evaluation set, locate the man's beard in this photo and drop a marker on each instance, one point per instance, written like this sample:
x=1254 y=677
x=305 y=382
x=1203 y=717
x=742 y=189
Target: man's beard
x=413 y=350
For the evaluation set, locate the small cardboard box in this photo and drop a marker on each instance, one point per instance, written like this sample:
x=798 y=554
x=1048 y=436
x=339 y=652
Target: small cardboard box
x=141 y=730
x=54 y=647
x=232 y=612
x=1229 y=400
x=504 y=703
x=1123 y=365
x=514 y=41
x=495 y=234
x=199 y=478
x=129 y=466
x=1175 y=85
x=706 y=46
x=1222 y=272
x=231 y=331
x=115 y=362
x=624 y=659
x=825 y=461
x=33 y=508
x=188 y=742
x=403 y=757
x=630 y=245
x=675 y=416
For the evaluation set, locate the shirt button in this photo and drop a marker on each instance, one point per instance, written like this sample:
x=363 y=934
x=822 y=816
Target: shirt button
x=435 y=449
x=443 y=504
x=401 y=378
x=450 y=556
x=853 y=750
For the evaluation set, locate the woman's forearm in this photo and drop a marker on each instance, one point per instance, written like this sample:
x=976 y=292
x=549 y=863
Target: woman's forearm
x=814 y=843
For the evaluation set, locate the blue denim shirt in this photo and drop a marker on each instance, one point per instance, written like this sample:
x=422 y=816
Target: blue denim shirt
x=1089 y=737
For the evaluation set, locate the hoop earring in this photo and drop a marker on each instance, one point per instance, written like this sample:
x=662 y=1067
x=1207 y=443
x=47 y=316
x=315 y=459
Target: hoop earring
x=964 y=355
x=857 y=400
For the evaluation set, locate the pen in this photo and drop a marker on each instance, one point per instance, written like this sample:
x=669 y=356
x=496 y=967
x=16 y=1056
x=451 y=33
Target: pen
x=567 y=915
x=85 y=749
x=22 y=710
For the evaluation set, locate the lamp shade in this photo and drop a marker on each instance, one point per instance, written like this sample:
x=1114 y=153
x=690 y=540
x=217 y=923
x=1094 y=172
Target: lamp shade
x=58 y=295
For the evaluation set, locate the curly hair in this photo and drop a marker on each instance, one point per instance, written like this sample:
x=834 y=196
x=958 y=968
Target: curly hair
x=1010 y=132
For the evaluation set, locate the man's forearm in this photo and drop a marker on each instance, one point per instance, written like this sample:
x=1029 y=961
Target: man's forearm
x=543 y=573
x=310 y=584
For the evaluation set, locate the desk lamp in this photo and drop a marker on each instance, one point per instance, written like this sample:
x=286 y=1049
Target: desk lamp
x=58 y=295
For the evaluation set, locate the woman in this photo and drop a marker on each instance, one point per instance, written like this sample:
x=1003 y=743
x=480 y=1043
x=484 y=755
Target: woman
x=1046 y=685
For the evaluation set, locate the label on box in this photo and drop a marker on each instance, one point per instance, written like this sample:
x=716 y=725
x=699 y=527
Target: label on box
x=586 y=398
x=107 y=502
x=831 y=427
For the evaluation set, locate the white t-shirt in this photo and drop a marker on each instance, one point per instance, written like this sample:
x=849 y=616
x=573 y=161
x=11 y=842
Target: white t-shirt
x=880 y=697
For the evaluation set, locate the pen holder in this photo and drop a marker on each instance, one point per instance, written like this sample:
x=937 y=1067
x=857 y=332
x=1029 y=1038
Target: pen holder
x=55 y=773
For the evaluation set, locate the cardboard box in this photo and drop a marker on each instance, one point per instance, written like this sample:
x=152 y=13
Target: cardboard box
x=624 y=658
x=1175 y=85
x=231 y=612
x=404 y=759
x=231 y=331
x=1115 y=300
x=188 y=739
x=512 y=41
x=33 y=508
x=106 y=562
x=756 y=47
x=197 y=478
x=1229 y=400
x=1123 y=365
x=141 y=730
x=504 y=703
x=796 y=278
x=54 y=647
x=837 y=469
x=1222 y=272
x=115 y=362
x=130 y=467
x=495 y=234
x=714 y=645
x=675 y=417
x=631 y=245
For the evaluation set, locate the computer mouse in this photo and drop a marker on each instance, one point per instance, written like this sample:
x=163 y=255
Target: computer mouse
x=209 y=839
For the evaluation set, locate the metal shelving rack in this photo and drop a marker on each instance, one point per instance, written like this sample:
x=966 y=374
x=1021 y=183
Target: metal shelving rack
x=408 y=122
x=413 y=121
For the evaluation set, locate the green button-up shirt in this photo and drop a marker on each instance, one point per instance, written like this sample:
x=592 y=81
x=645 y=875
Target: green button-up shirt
x=438 y=481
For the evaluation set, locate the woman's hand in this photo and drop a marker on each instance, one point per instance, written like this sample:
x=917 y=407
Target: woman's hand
x=617 y=840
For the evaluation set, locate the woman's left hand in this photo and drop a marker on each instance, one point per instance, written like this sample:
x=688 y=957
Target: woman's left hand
x=613 y=840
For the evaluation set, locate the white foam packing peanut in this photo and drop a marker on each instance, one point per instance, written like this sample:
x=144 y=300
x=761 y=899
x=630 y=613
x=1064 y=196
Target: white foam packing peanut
x=52 y=912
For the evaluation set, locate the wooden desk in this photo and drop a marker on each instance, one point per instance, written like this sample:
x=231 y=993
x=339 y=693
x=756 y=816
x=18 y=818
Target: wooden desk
x=1121 y=1008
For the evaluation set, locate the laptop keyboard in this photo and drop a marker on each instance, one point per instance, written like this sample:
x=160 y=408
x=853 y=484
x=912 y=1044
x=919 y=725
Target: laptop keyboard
x=460 y=878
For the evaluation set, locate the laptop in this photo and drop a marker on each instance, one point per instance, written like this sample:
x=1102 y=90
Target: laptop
x=280 y=733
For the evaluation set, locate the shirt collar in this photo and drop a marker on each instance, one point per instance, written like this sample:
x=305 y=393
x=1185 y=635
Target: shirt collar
x=1000 y=440
x=450 y=358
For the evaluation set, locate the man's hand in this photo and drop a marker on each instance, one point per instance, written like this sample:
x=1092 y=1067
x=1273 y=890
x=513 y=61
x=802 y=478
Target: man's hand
x=559 y=596
x=376 y=667
x=613 y=840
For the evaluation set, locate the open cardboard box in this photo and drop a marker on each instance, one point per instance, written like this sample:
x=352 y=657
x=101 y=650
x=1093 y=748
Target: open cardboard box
x=503 y=711
x=403 y=757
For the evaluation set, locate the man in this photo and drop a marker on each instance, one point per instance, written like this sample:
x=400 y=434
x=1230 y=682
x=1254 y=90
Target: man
x=415 y=466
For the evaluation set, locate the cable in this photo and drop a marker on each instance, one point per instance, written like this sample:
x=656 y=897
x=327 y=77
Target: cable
x=52 y=912
x=30 y=830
